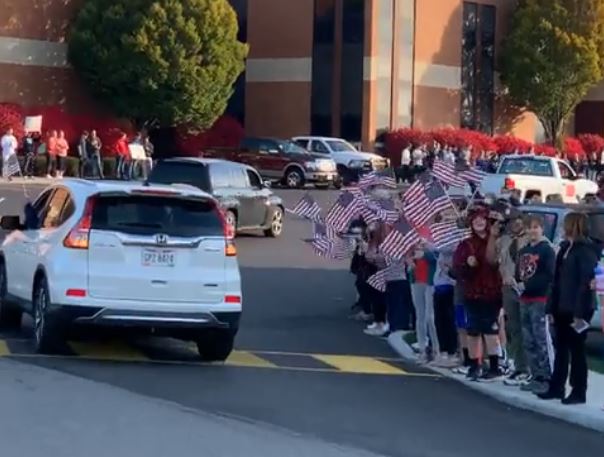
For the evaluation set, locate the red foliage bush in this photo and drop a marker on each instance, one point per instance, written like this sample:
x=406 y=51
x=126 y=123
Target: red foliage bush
x=545 y=150
x=507 y=144
x=11 y=116
x=399 y=139
x=226 y=132
x=573 y=148
x=591 y=143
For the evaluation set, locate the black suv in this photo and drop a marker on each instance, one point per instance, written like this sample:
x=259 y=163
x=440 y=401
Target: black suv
x=247 y=202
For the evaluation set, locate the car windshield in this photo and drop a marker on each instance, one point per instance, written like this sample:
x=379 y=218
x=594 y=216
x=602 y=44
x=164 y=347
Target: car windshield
x=526 y=166
x=341 y=146
x=289 y=147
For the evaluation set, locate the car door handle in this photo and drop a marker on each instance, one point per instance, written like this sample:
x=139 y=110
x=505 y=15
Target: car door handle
x=212 y=249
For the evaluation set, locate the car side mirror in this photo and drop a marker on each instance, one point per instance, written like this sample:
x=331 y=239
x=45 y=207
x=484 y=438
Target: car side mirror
x=10 y=223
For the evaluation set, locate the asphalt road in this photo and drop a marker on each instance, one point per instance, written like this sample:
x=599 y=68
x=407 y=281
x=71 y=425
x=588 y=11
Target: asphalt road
x=295 y=313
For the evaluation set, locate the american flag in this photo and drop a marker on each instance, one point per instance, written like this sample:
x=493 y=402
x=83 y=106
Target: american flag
x=446 y=174
x=344 y=210
x=439 y=200
x=379 y=210
x=470 y=174
x=379 y=279
x=307 y=207
x=416 y=204
x=11 y=166
x=327 y=244
x=447 y=234
x=377 y=178
x=400 y=240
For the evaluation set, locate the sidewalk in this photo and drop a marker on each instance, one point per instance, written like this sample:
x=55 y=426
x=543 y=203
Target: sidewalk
x=590 y=415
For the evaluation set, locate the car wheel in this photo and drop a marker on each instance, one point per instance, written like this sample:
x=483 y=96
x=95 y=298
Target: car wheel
x=276 y=227
x=337 y=183
x=215 y=345
x=322 y=186
x=10 y=315
x=294 y=179
x=46 y=333
x=230 y=218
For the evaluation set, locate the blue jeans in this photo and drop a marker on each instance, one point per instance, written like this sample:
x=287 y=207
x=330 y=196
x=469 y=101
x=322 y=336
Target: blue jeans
x=398 y=305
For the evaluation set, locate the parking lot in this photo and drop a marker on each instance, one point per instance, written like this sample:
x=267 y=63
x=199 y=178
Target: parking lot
x=301 y=365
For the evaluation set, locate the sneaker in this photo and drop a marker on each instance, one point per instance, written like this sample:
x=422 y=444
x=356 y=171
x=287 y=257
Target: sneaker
x=48 y=177
x=443 y=361
x=378 y=330
x=415 y=347
x=530 y=386
x=474 y=374
x=463 y=370
x=362 y=316
x=492 y=375
x=540 y=387
x=516 y=378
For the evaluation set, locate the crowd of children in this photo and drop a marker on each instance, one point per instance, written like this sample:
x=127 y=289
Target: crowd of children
x=502 y=304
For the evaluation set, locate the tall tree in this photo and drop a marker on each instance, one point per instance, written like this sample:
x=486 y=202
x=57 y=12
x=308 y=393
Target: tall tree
x=552 y=56
x=159 y=62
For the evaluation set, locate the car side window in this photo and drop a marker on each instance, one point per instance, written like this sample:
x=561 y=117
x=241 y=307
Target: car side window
x=40 y=206
x=52 y=218
x=254 y=179
x=565 y=171
x=302 y=143
x=238 y=177
x=250 y=143
x=319 y=147
x=219 y=176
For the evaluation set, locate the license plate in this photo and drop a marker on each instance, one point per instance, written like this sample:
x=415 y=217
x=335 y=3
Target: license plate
x=158 y=258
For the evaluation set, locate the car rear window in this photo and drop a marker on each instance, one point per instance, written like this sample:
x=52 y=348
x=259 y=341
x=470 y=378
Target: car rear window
x=146 y=215
x=526 y=166
x=175 y=172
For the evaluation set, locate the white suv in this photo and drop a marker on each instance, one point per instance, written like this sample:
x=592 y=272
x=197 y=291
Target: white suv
x=157 y=258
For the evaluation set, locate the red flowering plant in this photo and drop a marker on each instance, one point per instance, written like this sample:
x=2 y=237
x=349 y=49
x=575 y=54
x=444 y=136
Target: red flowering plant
x=399 y=139
x=226 y=132
x=591 y=143
x=507 y=144
x=573 y=149
x=545 y=150
x=11 y=116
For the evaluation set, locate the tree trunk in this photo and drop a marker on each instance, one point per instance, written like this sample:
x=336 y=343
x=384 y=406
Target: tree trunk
x=554 y=131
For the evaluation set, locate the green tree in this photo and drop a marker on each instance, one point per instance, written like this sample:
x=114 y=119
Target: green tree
x=159 y=62
x=552 y=56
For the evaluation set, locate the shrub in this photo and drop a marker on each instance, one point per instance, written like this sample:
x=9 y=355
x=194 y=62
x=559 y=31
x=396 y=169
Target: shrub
x=545 y=150
x=11 y=116
x=573 y=148
x=507 y=144
x=591 y=143
x=226 y=132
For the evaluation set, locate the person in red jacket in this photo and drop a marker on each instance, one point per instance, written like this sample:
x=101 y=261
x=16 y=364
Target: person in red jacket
x=123 y=157
x=476 y=268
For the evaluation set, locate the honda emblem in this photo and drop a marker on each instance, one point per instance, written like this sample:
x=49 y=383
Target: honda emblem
x=161 y=239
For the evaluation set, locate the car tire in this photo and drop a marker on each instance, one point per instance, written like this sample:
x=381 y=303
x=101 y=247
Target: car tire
x=10 y=315
x=294 y=178
x=230 y=218
x=338 y=183
x=322 y=186
x=276 y=228
x=47 y=335
x=215 y=345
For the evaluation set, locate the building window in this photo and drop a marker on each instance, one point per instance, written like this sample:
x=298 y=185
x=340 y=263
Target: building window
x=236 y=105
x=353 y=52
x=478 y=67
x=323 y=67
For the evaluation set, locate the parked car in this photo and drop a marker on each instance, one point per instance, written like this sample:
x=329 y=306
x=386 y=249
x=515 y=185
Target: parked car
x=247 y=202
x=102 y=253
x=351 y=163
x=553 y=216
x=536 y=175
x=281 y=161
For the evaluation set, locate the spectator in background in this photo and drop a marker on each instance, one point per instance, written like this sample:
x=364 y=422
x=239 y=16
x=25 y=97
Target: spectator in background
x=444 y=308
x=93 y=147
x=449 y=156
x=417 y=159
x=62 y=150
x=377 y=261
x=149 y=150
x=9 y=152
x=51 y=154
x=83 y=153
x=570 y=307
x=123 y=157
x=29 y=149
x=405 y=169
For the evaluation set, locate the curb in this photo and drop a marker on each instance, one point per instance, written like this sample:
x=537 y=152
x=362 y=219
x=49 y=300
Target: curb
x=583 y=415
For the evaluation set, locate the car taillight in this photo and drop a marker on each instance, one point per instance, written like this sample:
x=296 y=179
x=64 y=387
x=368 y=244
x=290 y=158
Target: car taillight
x=230 y=250
x=509 y=184
x=78 y=236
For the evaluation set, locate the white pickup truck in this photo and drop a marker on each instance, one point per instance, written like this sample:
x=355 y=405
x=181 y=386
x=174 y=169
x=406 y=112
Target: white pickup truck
x=531 y=175
x=350 y=162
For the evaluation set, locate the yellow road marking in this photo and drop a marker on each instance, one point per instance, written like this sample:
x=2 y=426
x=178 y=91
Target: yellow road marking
x=247 y=359
x=357 y=364
x=106 y=351
x=4 y=349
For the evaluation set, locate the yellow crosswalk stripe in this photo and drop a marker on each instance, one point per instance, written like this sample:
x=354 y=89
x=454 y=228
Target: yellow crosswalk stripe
x=247 y=359
x=358 y=364
x=107 y=351
x=4 y=349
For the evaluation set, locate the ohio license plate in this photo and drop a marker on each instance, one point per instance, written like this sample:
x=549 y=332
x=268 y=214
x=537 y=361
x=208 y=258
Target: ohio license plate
x=158 y=258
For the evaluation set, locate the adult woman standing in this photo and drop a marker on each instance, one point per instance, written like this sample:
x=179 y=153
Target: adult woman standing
x=570 y=307
x=377 y=261
x=62 y=149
